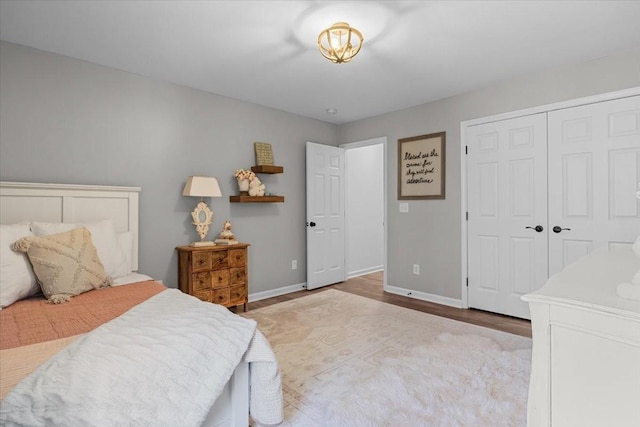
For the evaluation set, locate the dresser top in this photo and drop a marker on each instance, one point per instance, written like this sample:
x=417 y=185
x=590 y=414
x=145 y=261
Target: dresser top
x=212 y=247
x=592 y=282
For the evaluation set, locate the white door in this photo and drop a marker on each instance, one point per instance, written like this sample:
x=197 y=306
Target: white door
x=594 y=170
x=325 y=215
x=507 y=208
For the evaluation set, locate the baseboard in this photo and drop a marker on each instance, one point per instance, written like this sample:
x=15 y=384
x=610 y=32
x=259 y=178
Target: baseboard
x=364 y=271
x=451 y=302
x=277 y=292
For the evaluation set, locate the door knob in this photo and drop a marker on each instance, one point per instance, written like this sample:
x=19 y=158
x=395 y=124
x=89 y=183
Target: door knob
x=538 y=228
x=311 y=224
x=558 y=229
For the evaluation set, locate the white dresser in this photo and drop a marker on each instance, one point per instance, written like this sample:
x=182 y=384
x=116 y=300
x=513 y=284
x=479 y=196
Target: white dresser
x=586 y=345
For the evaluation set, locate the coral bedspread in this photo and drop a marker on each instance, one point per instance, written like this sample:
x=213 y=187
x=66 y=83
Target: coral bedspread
x=171 y=348
x=32 y=330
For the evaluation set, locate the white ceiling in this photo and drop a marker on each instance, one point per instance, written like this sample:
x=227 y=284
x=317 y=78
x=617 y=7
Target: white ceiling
x=265 y=51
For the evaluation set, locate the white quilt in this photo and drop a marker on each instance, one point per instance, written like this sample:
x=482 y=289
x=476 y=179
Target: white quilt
x=162 y=363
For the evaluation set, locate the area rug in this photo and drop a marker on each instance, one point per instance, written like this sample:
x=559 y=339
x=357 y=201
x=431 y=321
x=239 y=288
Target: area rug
x=347 y=361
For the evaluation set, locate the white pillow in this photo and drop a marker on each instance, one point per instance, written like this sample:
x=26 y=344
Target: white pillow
x=125 y=245
x=17 y=280
x=103 y=236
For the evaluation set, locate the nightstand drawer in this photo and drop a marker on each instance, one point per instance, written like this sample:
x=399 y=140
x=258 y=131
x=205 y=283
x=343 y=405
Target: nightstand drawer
x=201 y=261
x=237 y=295
x=201 y=281
x=237 y=257
x=220 y=296
x=238 y=276
x=220 y=278
x=204 y=295
x=218 y=260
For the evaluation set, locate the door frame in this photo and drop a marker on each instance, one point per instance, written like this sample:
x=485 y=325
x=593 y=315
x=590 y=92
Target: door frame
x=503 y=116
x=374 y=141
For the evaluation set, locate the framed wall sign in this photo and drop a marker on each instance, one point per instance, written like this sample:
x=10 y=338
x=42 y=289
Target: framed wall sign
x=264 y=154
x=421 y=167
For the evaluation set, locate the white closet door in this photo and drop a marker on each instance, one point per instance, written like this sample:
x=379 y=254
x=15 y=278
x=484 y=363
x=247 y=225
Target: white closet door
x=507 y=200
x=594 y=170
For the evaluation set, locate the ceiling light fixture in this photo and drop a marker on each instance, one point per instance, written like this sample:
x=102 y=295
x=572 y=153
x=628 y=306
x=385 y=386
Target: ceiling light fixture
x=340 y=43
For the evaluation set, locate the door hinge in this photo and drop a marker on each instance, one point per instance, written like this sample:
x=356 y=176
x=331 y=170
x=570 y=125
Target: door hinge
x=467 y=215
x=467 y=282
x=466 y=149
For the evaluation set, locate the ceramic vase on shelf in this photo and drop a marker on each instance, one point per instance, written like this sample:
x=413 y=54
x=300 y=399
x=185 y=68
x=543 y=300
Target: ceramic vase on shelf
x=243 y=185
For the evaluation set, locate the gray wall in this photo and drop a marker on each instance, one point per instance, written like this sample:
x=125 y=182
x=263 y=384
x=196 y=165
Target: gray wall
x=67 y=121
x=430 y=233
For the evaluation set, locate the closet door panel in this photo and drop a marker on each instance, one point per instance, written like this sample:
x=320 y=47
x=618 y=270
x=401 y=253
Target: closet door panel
x=594 y=170
x=623 y=164
x=507 y=183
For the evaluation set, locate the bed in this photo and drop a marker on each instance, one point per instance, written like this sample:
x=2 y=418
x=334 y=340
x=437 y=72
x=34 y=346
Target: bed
x=586 y=343
x=126 y=354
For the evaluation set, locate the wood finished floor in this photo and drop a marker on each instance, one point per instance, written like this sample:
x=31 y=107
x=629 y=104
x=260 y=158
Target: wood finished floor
x=370 y=286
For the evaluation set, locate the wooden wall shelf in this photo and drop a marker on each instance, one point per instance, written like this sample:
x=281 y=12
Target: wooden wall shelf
x=256 y=199
x=267 y=169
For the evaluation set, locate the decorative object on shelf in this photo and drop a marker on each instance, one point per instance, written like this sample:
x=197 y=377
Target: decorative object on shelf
x=421 y=167
x=243 y=186
x=226 y=236
x=244 y=177
x=202 y=186
x=264 y=154
x=261 y=195
x=256 y=187
x=340 y=42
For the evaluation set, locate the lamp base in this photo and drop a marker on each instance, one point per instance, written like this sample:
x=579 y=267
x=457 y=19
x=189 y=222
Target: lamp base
x=203 y=243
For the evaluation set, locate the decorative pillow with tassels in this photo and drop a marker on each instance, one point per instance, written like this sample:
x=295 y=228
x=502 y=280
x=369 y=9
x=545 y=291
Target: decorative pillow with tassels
x=65 y=264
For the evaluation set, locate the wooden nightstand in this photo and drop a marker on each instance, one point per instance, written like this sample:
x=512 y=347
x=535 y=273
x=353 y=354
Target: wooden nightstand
x=217 y=274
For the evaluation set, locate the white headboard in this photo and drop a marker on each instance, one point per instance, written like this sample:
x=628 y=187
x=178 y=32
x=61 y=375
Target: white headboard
x=25 y=201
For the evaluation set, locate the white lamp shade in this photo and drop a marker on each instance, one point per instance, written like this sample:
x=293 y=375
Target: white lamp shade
x=202 y=186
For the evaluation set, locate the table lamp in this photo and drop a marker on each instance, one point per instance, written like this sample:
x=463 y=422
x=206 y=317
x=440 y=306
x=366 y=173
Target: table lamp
x=202 y=186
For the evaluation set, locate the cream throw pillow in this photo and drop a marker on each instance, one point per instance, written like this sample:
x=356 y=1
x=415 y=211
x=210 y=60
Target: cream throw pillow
x=103 y=236
x=65 y=264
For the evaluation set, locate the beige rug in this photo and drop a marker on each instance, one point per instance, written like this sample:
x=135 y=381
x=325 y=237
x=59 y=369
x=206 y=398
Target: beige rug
x=352 y=361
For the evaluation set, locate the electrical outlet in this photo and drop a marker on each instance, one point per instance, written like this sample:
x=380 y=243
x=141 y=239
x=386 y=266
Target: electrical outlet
x=404 y=207
x=416 y=269
x=294 y=264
